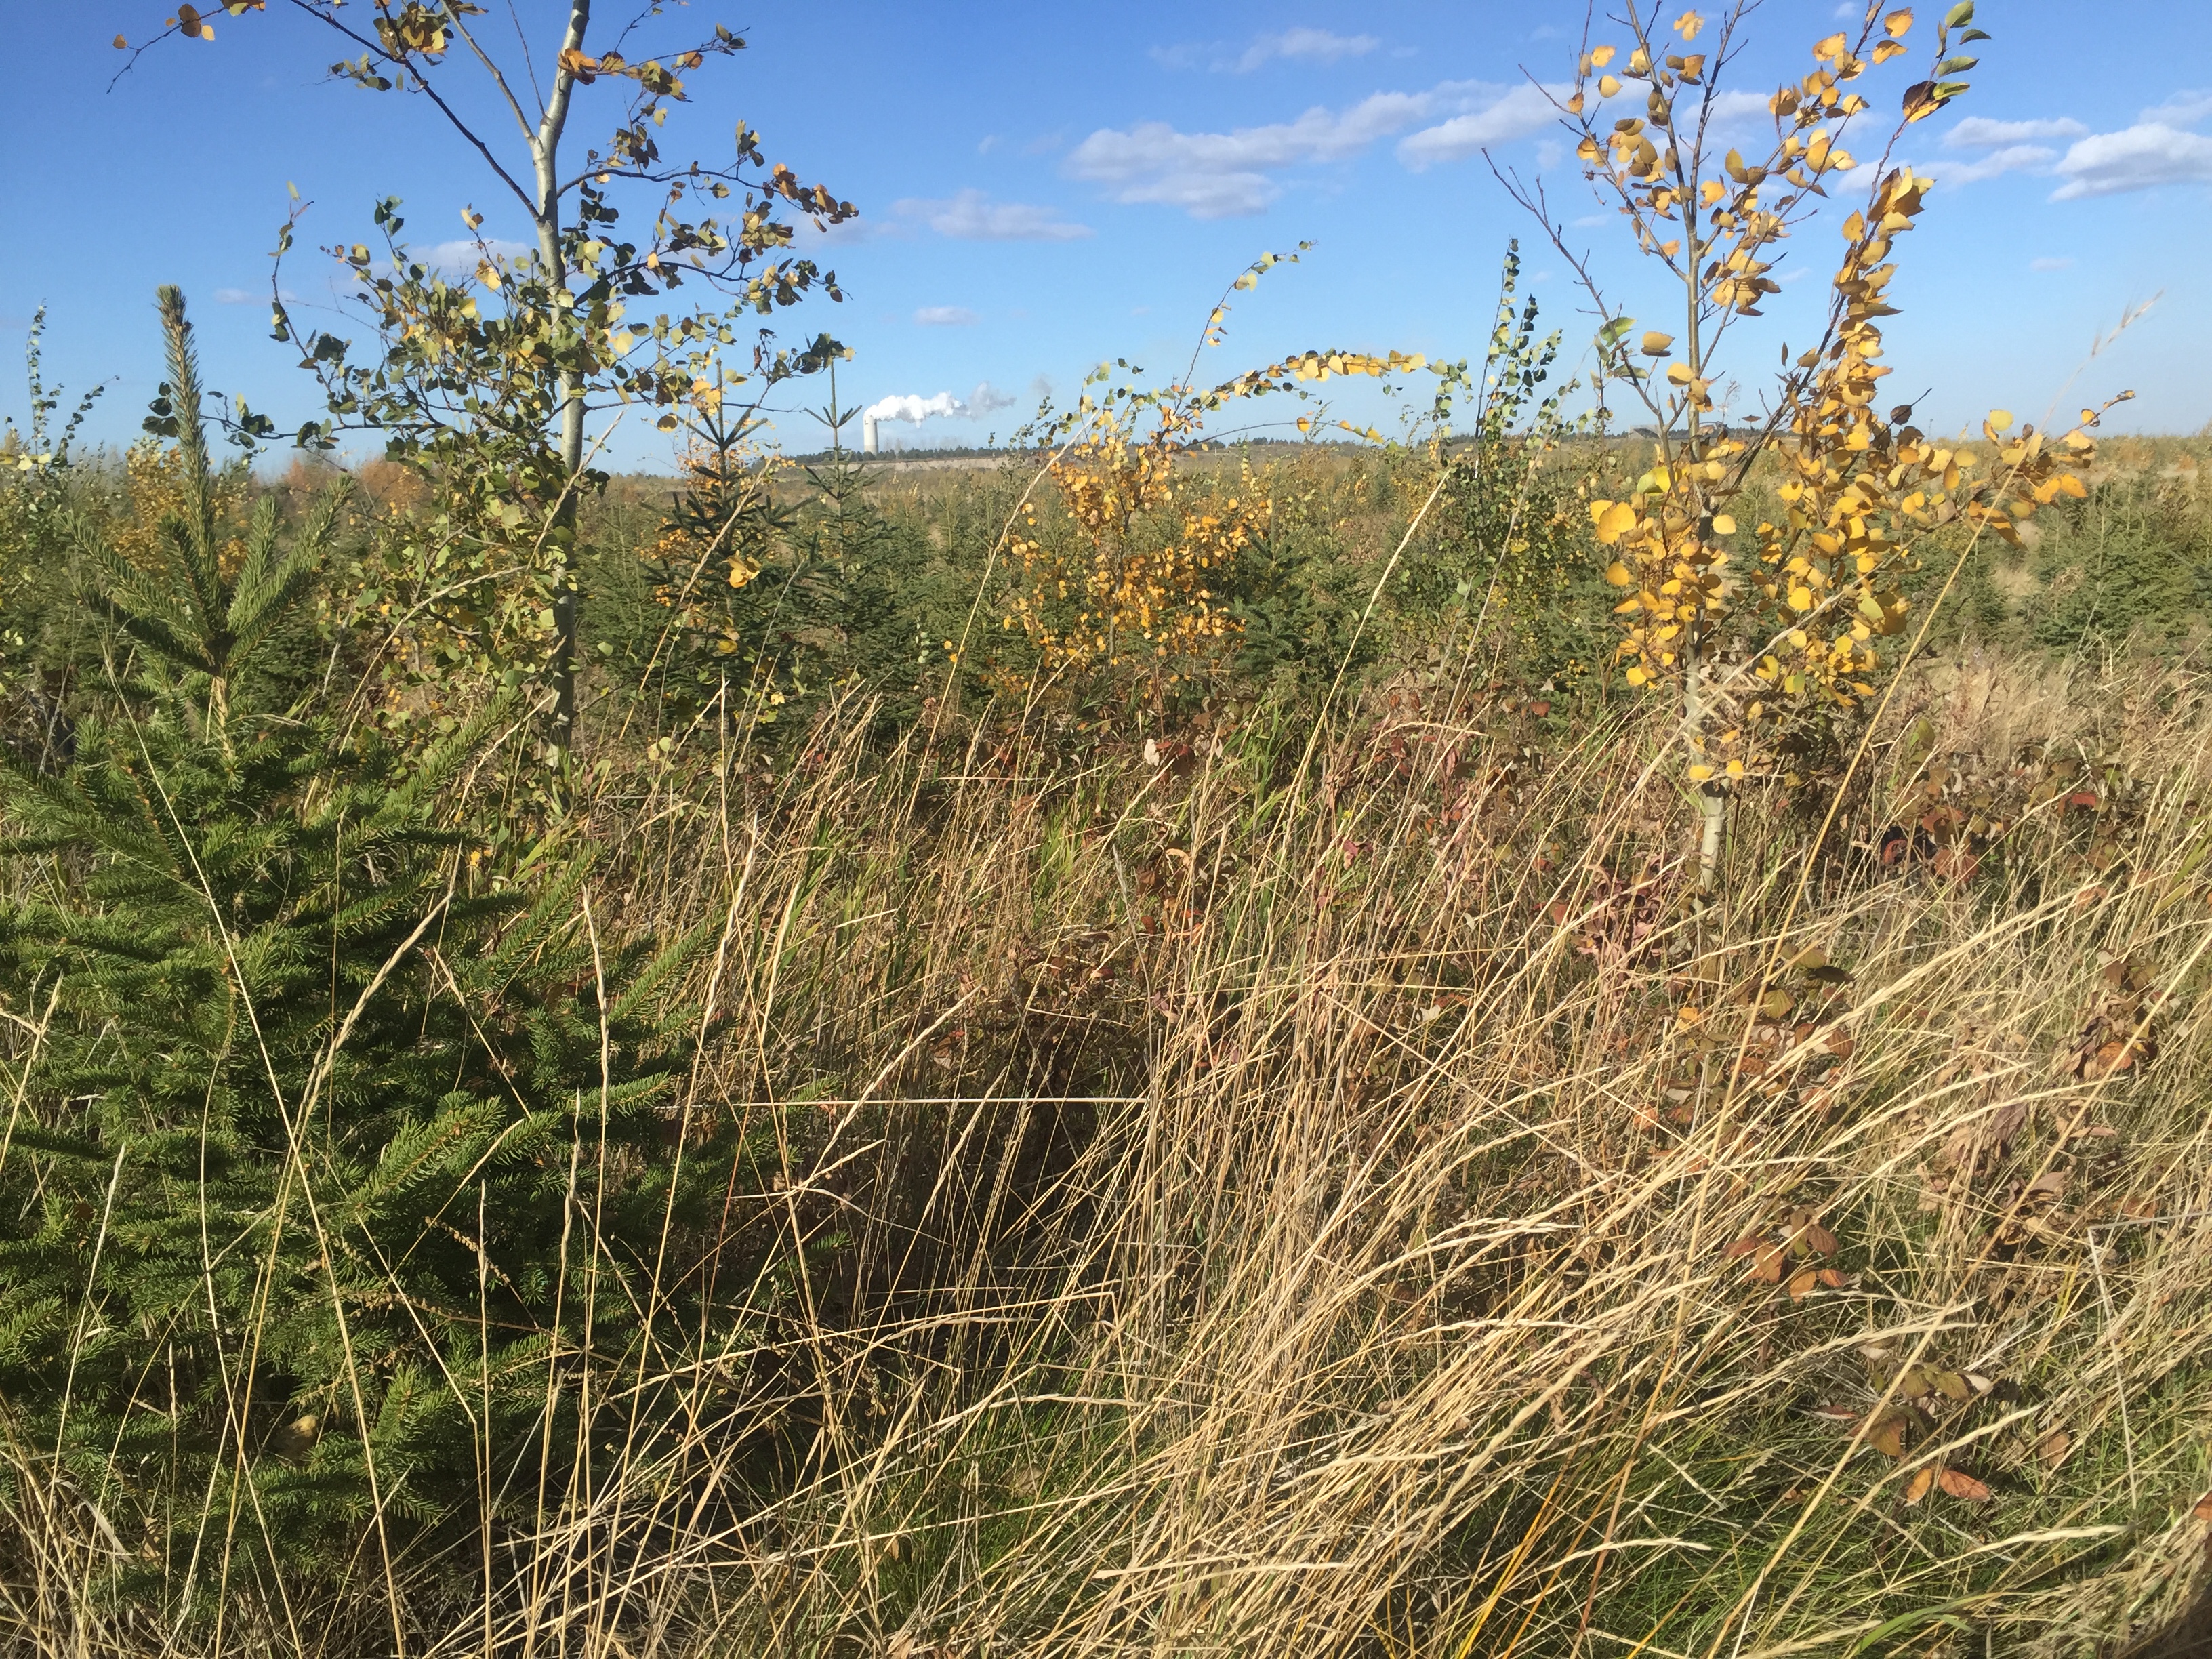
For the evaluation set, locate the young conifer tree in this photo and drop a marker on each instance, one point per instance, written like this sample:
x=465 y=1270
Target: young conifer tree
x=335 y=1188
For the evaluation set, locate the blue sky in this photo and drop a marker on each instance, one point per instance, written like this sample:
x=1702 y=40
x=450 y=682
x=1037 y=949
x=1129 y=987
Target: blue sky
x=1043 y=188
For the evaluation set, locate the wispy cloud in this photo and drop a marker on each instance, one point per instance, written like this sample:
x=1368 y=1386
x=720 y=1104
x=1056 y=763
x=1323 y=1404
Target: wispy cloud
x=2183 y=109
x=945 y=317
x=972 y=216
x=1980 y=132
x=2013 y=158
x=1303 y=45
x=461 y=257
x=2051 y=262
x=1220 y=175
x=250 y=296
x=1522 y=111
x=2140 y=157
x=2157 y=149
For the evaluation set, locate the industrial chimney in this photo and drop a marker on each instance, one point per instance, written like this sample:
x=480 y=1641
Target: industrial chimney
x=868 y=435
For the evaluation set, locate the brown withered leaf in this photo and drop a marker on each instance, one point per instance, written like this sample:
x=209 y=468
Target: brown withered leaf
x=2051 y=1450
x=1959 y=1484
x=2203 y=1511
x=1802 y=1283
x=1743 y=1247
x=1917 y=1488
x=1819 y=1240
x=1766 y=1268
x=1888 y=1435
x=1833 y=1279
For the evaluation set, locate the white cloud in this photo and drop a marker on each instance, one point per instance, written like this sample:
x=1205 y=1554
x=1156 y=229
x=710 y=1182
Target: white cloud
x=250 y=296
x=2013 y=158
x=462 y=257
x=1306 y=45
x=972 y=216
x=945 y=317
x=2183 y=109
x=1980 y=132
x=2051 y=262
x=1522 y=111
x=1220 y=175
x=2138 y=157
x=987 y=399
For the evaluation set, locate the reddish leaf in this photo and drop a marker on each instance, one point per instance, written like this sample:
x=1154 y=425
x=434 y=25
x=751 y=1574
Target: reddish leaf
x=1959 y=1484
x=1743 y=1247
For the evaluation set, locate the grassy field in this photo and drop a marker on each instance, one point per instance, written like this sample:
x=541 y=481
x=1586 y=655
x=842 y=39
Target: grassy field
x=1289 y=1159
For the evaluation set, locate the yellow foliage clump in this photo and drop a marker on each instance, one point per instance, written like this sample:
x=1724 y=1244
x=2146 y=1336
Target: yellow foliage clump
x=1135 y=579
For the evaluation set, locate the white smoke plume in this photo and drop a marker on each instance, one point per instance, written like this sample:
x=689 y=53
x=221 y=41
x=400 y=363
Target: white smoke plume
x=907 y=407
x=986 y=399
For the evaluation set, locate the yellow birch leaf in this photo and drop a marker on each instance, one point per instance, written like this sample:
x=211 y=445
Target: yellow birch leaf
x=1600 y=56
x=1616 y=521
x=1656 y=344
x=1607 y=86
x=1618 y=574
x=1723 y=525
x=1897 y=23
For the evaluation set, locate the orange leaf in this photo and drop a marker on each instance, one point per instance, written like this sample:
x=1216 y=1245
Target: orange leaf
x=1802 y=1283
x=2204 y=1509
x=1917 y=1488
x=1959 y=1484
x=2051 y=1450
x=1744 y=1247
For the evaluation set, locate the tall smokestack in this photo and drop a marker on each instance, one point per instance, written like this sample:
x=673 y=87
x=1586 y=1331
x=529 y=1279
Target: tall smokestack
x=868 y=435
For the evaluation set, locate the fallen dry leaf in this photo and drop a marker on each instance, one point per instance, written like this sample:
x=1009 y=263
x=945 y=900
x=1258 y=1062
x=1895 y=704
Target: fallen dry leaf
x=1959 y=1484
x=1917 y=1488
x=2053 y=1447
x=1887 y=1436
x=2204 y=1509
x=1802 y=1283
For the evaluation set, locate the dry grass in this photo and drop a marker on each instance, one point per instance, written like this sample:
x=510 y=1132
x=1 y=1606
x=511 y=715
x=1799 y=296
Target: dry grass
x=1281 y=1200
